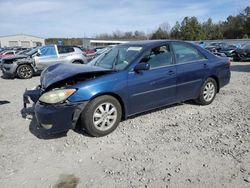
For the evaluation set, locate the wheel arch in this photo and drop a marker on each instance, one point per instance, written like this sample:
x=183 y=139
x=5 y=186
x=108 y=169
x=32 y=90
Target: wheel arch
x=78 y=60
x=24 y=63
x=117 y=97
x=217 y=82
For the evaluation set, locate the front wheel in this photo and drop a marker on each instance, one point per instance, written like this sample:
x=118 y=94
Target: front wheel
x=101 y=116
x=207 y=92
x=24 y=71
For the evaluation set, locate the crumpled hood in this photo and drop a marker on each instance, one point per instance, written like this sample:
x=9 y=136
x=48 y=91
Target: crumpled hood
x=60 y=71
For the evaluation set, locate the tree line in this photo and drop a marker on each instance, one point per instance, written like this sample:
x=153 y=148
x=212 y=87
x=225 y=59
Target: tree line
x=234 y=27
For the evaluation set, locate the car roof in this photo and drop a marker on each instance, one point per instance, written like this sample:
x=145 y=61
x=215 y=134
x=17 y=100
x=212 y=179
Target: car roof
x=148 y=42
x=67 y=45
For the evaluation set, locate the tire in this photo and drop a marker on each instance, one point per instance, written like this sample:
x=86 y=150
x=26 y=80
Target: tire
x=101 y=116
x=24 y=71
x=208 y=92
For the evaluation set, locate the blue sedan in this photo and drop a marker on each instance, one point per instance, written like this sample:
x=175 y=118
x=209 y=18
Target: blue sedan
x=128 y=79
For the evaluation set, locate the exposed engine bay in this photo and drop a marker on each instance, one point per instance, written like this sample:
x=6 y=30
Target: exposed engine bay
x=70 y=81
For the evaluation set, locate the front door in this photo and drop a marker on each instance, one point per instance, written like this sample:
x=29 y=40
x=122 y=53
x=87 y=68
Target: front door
x=155 y=87
x=48 y=56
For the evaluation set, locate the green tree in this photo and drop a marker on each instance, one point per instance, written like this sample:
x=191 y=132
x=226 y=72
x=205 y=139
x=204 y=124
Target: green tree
x=208 y=29
x=191 y=29
x=175 y=32
x=247 y=21
x=159 y=34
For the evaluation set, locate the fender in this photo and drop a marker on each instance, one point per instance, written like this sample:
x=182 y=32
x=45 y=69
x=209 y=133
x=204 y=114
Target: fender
x=28 y=61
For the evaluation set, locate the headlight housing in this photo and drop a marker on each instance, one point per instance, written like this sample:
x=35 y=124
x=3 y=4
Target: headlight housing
x=56 y=96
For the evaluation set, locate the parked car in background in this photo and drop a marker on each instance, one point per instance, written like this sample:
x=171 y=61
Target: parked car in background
x=216 y=46
x=18 y=57
x=7 y=53
x=88 y=51
x=21 y=52
x=98 y=51
x=228 y=50
x=1 y=50
x=243 y=53
x=222 y=49
x=129 y=79
x=26 y=66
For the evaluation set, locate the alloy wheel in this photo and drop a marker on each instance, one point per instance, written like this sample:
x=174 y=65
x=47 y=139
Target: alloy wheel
x=209 y=91
x=25 y=72
x=105 y=116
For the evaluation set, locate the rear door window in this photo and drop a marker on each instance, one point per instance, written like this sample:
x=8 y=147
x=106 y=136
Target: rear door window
x=185 y=53
x=65 y=49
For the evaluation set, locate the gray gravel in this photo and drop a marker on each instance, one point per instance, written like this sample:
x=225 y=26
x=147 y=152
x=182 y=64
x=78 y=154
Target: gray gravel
x=184 y=145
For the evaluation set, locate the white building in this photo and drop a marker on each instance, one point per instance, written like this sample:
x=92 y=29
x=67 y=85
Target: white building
x=94 y=42
x=25 y=41
x=91 y=42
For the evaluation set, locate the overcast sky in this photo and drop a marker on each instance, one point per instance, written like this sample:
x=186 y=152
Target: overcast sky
x=86 y=18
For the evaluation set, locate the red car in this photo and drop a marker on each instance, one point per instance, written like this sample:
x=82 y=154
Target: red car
x=88 y=52
x=7 y=53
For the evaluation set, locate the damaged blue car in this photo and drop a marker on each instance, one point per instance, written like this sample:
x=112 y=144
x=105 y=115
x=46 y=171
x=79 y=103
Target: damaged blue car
x=128 y=79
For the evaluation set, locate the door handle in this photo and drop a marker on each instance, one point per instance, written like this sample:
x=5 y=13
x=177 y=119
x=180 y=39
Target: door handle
x=171 y=73
x=205 y=65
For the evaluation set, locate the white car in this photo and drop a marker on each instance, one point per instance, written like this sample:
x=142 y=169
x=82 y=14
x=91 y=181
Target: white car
x=36 y=61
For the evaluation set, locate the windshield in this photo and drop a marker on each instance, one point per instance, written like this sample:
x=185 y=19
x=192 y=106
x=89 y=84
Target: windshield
x=31 y=52
x=116 y=58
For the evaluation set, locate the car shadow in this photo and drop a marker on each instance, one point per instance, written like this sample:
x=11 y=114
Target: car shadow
x=13 y=78
x=78 y=129
x=41 y=133
x=240 y=68
x=191 y=102
x=7 y=77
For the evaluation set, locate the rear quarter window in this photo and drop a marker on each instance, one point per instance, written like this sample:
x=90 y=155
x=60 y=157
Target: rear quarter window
x=65 y=49
x=185 y=53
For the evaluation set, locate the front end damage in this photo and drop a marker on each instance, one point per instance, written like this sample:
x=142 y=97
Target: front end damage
x=53 y=118
x=56 y=118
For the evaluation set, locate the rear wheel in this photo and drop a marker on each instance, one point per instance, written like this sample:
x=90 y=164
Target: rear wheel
x=101 y=116
x=25 y=71
x=207 y=92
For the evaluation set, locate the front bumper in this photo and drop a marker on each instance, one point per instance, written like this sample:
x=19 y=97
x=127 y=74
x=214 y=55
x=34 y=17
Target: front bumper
x=54 y=118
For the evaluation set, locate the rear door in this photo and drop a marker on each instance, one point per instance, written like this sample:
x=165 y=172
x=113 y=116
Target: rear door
x=155 y=87
x=64 y=53
x=192 y=68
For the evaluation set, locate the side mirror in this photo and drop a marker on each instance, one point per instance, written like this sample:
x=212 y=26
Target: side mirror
x=38 y=54
x=141 y=66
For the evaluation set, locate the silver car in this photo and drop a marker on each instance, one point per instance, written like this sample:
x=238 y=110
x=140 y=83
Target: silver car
x=26 y=66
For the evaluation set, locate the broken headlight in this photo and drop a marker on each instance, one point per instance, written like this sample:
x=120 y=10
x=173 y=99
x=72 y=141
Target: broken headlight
x=56 y=96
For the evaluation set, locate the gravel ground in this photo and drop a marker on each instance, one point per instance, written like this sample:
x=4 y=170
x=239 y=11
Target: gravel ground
x=184 y=145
